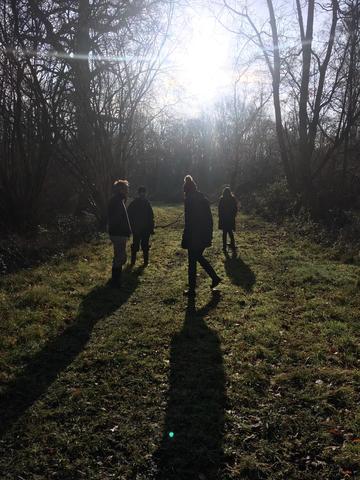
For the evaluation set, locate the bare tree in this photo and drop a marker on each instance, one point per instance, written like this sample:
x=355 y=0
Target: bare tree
x=112 y=52
x=28 y=99
x=303 y=72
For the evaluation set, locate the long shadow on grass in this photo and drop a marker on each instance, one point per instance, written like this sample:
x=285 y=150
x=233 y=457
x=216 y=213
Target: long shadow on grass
x=240 y=273
x=56 y=355
x=193 y=432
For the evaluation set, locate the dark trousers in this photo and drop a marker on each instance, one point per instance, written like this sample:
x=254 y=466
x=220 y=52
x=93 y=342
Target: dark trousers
x=195 y=256
x=232 y=239
x=141 y=239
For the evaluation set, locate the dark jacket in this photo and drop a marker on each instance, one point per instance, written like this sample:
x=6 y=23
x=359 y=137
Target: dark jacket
x=118 y=220
x=227 y=213
x=198 y=228
x=141 y=216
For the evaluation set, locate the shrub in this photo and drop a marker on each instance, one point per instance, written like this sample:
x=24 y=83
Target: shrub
x=274 y=202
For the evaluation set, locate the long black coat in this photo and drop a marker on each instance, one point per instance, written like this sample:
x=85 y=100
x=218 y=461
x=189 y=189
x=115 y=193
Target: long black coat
x=198 y=228
x=118 y=220
x=141 y=216
x=227 y=213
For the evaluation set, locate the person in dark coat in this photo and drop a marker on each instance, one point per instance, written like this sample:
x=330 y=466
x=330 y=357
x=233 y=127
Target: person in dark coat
x=141 y=218
x=197 y=234
x=119 y=228
x=227 y=213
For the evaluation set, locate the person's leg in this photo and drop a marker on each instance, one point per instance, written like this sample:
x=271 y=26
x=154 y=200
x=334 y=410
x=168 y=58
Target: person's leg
x=232 y=240
x=119 y=244
x=122 y=248
x=208 y=269
x=135 y=248
x=145 y=247
x=192 y=259
x=224 y=239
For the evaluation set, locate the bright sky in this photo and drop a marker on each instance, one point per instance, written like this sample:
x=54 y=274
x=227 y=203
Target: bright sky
x=199 y=67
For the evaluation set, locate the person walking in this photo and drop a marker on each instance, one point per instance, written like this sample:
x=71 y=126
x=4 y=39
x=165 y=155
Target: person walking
x=197 y=234
x=141 y=218
x=227 y=212
x=119 y=228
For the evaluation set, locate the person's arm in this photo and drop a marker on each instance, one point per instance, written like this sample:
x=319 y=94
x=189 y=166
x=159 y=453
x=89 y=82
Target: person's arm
x=209 y=223
x=222 y=208
x=125 y=217
x=151 y=219
x=184 y=241
x=130 y=212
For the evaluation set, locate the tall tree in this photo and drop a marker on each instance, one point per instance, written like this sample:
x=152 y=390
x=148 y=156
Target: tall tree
x=301 y=71
x=112 y=52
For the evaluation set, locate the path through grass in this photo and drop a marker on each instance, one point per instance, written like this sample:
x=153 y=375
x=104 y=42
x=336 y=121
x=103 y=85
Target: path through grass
x=261 y=382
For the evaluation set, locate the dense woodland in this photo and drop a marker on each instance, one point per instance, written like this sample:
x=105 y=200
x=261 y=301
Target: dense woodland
x=78 y=109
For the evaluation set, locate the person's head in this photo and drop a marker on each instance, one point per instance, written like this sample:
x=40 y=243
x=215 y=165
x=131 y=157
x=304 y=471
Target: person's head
x=189 y=185
x=227 y=193
x=121 y=187
x=142 y=192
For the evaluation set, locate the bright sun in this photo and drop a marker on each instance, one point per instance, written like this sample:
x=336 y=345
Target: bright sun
x=200 y=63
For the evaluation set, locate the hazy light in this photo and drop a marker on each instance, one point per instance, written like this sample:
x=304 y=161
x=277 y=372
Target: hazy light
x=171 y=434
x=200 y=65
x=72 y=56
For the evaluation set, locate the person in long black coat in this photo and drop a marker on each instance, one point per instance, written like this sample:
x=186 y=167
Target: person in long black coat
x=227 y=213
x=197 y=234
x=119 y=228
x=141 y=218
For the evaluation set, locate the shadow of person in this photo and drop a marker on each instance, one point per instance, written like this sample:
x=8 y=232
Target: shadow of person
x=59 y=352
x=193 y=433
x=239 y=273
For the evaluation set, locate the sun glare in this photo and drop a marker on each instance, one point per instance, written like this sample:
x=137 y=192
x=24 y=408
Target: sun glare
x=201 y=62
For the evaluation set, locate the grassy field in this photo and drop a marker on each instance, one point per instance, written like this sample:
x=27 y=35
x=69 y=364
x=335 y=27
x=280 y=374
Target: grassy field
x=261 y=381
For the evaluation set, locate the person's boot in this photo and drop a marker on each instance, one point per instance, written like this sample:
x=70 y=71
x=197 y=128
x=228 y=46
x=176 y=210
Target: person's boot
x=224 y=247
x=146 y=257
x=215 y=282
x=133 y=257
x=116 y=277
x=190 y=293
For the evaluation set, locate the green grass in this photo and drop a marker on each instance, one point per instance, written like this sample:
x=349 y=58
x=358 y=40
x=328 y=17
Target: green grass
x=261 y=382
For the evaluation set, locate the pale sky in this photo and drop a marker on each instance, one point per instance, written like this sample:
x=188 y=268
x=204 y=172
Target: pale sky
x=200 y=64
x=204 y=62
x=201 y=67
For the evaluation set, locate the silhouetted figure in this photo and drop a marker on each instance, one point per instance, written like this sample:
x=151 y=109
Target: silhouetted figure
x=119 y=228
x=141 y=218
x=197 y=234
x=192 y=443
x=227 y=213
